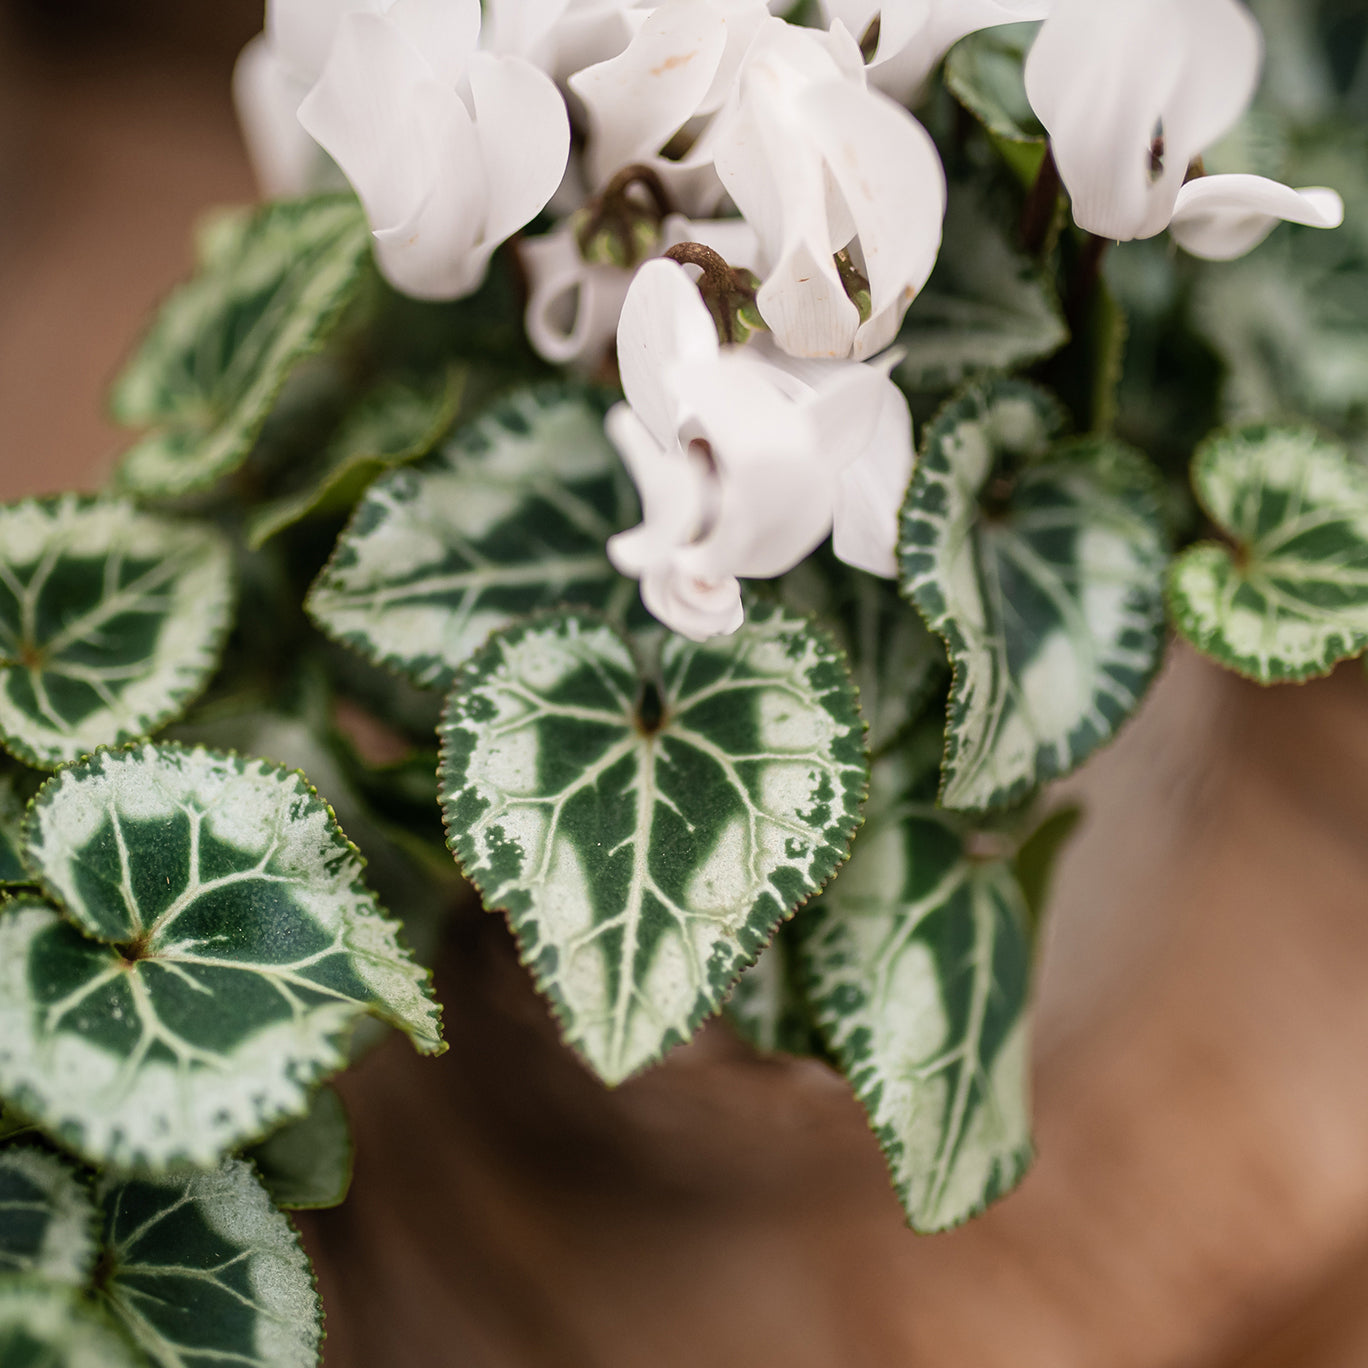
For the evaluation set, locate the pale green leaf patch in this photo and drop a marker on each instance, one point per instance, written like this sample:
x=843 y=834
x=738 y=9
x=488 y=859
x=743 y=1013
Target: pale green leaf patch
x=45 y=1325
x=396 y=423
x=646 y=834
x=508 y=517
x=217 y=948
x=201 y=1268
x=111 y=621
x=1041 y=564
x=268 y=293
x=987 y=306
x=47 y=1217
x=768 y=1007
x=306 y=1165
x=917 y=968
x=1289 y=598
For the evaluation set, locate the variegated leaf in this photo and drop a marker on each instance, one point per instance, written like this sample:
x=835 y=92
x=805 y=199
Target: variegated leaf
x=646 y=840
x=307 y=1164
x=396 y=423
x=44 y=1325
x=917 y=967
x=47 y=1218
x=508 y=517
x=1290 y=597
x=768 y=1007
x=1041 y=564
x=110 y=622
x=200 y=1269
x=12 y=871
x=897 y=663
x=218 y=949
x=987 y=306
x=268 y=292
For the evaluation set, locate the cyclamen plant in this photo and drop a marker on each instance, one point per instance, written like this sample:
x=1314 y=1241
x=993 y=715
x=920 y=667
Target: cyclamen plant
x=555 y=422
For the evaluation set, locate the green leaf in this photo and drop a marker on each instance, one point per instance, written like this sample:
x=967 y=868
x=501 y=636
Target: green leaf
x=510 y=516
x=46 y=1326
x=917 y=966
x=1038 y=856
x=395 y=424
x=235 y=946
x=984 y=73
x=1042 y=566
x=767 y=1007
x=1291 y=597
x=897 y=663
x=201 y=1269
x=12 y=871
x=207 y=374
x=986 y=307
x=647 y=841
x=47 y=1218
x=307 y=1164
x=110 y=622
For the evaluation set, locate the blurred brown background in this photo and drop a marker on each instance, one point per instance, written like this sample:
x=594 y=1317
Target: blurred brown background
x=1201 y=1196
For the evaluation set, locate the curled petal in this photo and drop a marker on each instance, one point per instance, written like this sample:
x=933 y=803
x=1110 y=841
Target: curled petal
x=639 y=99
x=284 y=158
x=664 y=323
x=1106 y=79
x=444 y=31
x=573 y=305
x=524 y=133
x=301 y=32
x=693 y=607
x=870 y=491
x=1221 y=217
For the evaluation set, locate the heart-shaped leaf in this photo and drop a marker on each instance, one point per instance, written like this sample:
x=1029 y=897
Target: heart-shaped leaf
x=987 y=306
x=269 y=290
x=307 y=1164
x=396 y=423
x=916 y=963
x=510 y=516
x=234 y=947
x=201 y=1269
x=1290 y=598
x=1042 y=566
x=647 y=837
x=110 y=622
x=44 y=1325
x=47 y=1218
x=984 y=72
x=768 y=1007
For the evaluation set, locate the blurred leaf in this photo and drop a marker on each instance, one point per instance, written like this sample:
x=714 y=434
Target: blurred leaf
x=984 y=73
x=307 y=1164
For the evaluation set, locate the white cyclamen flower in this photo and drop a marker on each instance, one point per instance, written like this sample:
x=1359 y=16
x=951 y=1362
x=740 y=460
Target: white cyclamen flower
x=1131 y=92
x=273 y=75
x=450 y=150
x=560 y=36
x=743 y=465
x=573 y=305
x=672 y=78
x=915 y=34
x=819 y=164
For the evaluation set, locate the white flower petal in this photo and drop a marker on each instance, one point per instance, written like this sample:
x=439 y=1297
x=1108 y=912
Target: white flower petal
x=1103 y=78
x=524 y=134
x=637 y=101
x=870 y=491
x=301 y=32
x=664 y=323
x=1221 y=217
x=693 y=607
x=371 y=111
x=285 y=159
x=573 y=305
x=891 y=178
x=444 y=31
x=732 y=239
